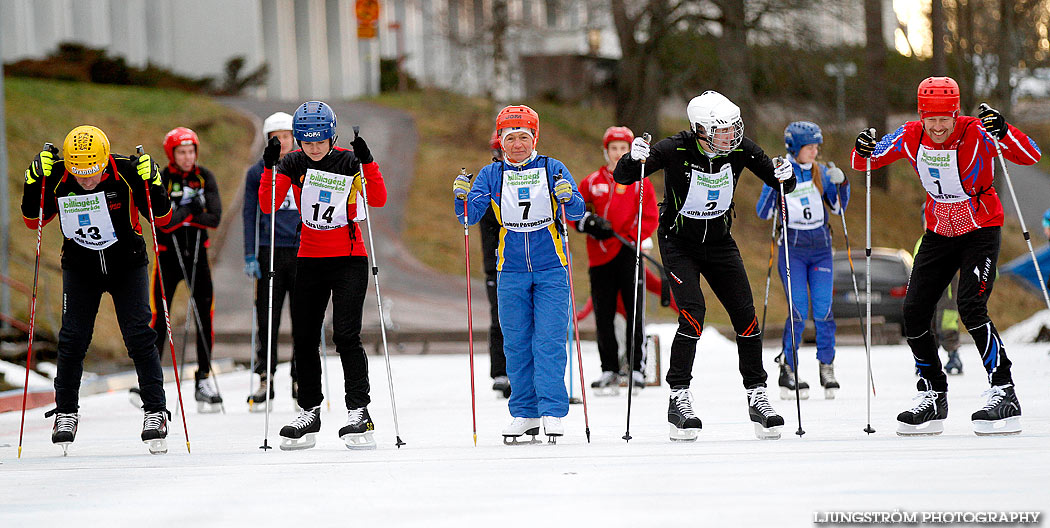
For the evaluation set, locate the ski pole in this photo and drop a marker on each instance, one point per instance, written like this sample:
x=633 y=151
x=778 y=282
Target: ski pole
x=164 y=300
x=659 y=267
x=470 y=314
x=196 y=312
x=575 y=322
x=379 y=301
x=791 y=301
x=769 y=274
x=190 y=281
x=867 y=283
x=269 y=304
x=633 y=334
x=255 y=316
x=1020 y=218
x=32 y=305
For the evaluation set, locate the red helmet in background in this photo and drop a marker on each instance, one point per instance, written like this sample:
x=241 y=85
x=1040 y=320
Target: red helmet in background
x=494 y=143
x=177 y=137
x=617 y=133
x=938 y=96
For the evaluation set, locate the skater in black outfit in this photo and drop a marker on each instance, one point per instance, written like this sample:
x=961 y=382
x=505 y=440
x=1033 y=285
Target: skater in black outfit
x=701 y=168
x=489 y=245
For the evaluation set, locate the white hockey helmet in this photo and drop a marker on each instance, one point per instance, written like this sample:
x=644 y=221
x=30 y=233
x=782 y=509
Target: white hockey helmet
x=277 y=121
x=716 y=120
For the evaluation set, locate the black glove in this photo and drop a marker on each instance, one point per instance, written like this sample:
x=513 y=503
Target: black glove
x=596 y=226
x=361 y=149
x=866 y=141
x=196 y=204
x=790 y=184
x=993 y=121
x=272 y=152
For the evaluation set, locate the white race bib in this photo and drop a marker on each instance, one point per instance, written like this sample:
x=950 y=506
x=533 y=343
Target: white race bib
x=85 y=220
x=939 y=173
x=324 y=200
x=710 y=195
x=805 y=208
x=525 y=202
x=289 y=201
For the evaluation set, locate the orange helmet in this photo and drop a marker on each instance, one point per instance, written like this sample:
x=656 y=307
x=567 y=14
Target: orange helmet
x=938 y=96
x=617 y=133
x=518 y=117
x=177 y=137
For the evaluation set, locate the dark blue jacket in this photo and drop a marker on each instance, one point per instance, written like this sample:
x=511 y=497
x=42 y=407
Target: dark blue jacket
x=287 y=233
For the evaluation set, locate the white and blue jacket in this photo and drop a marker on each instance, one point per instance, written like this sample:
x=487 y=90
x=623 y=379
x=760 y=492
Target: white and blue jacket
x=836 y=197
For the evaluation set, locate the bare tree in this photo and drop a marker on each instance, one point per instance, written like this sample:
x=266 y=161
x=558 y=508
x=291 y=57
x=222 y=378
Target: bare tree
x=641 y=28
x=939 y=65
x=875 y=76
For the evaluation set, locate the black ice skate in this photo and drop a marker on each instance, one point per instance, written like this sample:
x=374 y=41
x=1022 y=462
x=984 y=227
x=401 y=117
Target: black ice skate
x=607 y=385
x=927 y=417
x=767 y=421
x=65 y=429
x=357 y=433
x=553 y=428
x=954 y=364
x=519 y=427
x=155 y=431
x=257 y=400
x=501 y=384
x=787 y=382
x=207 y=396
x=828 y=381
x=684 y=425
x=301 y=432
x=1001 y=415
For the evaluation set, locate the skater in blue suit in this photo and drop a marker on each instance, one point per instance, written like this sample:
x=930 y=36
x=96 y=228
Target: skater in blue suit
x=525 y=191
x=810 y=239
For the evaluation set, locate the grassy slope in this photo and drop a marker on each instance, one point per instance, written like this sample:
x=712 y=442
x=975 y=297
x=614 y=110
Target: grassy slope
x=454 y=132
x=39 y=111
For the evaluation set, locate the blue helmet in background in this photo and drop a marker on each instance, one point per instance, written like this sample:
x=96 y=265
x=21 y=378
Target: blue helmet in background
x=800 y=134
x=1046 y=219
x=314 y=121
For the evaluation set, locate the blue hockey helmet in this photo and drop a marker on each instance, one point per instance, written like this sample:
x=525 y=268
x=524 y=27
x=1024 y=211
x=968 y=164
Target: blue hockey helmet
x=314 y=121
x=800 y=134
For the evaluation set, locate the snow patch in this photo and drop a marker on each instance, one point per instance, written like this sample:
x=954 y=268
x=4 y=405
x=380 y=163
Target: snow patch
x=1026 y=331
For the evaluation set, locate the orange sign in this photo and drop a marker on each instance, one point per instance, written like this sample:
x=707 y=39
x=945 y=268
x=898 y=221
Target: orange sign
x=367 y=12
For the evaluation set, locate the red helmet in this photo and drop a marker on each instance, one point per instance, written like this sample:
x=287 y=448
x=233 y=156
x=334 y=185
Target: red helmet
x=518 y=116
x=494 y=142
x=938 y=96
x=179 y=136
x=617 y=133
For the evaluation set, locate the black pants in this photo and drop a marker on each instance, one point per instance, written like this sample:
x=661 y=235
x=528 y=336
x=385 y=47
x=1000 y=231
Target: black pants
x=498 y=361
x=202 y=294
x=345 y=280
x=81 y=293
x=610 y=282
x=974 y=256
x=284 y=262
x=720 y=263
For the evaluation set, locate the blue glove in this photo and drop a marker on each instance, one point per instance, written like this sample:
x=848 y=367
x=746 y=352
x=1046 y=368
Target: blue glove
x=563 y=190
x=251 y=267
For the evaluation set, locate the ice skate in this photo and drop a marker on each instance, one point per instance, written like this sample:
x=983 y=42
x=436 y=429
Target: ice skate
x=553 y=428
x=357 y=433
x=155 y=431
x=927 y=417
x=767 y=421
x=519 y=427
x=787 y=382
x=501 y=384
x=207 y=396
x=637 y=381
x=954 y=364
x=828 y=381
x=135 y=397
x=607 y=385
x=301 y=432
x=257 y=401
x=65 y=429
x=1001 y=415
x=684 y=425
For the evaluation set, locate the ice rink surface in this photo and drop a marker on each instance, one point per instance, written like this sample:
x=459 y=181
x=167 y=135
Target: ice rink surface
x=726 y=478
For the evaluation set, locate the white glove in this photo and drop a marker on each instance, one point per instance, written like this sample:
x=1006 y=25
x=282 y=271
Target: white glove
x=782 y=170
x=639 y=149
x=835 y=174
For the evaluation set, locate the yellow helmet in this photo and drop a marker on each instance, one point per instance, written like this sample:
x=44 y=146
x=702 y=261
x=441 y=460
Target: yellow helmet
x=86 y=151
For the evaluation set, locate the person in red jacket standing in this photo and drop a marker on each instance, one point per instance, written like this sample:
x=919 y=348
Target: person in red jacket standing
x=612 y=209
x=954 y=157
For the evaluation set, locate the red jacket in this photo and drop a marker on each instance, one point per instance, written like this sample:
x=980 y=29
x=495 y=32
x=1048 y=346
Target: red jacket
x=619 y=205
x=976 y=163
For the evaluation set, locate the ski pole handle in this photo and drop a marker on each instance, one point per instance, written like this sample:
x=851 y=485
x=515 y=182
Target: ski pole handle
x=138 y=150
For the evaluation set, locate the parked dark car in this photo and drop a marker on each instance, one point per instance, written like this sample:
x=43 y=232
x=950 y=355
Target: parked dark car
x=890 y=270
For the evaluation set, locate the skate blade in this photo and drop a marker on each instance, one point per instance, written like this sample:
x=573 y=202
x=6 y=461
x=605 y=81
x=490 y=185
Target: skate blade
x=767 y=433
x=553 y=438
x=513 y=439
x=930 y=428
x=258 y=407
x=208 y=408
x=359 y=441
x=789 y=394
x=1006 y=426
x=295 y=444
x=683 y=435
x=829 y=394
x=64 y=446
x=158 y=446
x=605 y=391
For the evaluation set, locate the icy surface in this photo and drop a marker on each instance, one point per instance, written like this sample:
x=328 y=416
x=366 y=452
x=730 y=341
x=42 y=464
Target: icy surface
x=727 y=477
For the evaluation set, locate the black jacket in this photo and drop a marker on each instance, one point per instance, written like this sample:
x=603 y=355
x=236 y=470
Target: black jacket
x=678 y=156
x=195 y=207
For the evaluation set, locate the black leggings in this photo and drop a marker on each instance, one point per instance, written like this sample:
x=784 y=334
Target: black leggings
x=610 y=282
x=498 y=361
x=720 y=263
x=284 y=262
x=202 y=295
